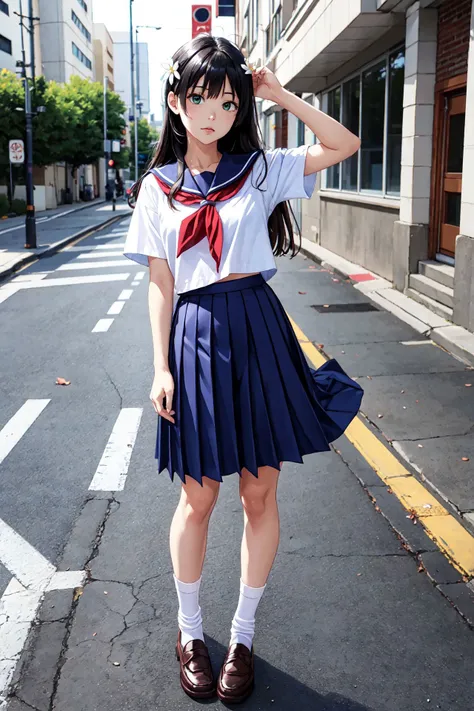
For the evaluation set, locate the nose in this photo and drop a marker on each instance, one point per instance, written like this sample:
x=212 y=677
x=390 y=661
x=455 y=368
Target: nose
x=212 y=116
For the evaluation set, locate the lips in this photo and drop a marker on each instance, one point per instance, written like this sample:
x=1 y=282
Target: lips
x=208 y=128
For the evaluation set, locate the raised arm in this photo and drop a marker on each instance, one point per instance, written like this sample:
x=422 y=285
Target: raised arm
x=336 y=142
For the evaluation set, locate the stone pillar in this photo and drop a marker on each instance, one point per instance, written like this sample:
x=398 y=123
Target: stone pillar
x=410 y=236
x=463 y=313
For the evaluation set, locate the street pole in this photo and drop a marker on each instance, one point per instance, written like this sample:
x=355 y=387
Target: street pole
x=32 y=40
x=30 y=221
x=132 y=80
x=138 y=72
x=106 y=152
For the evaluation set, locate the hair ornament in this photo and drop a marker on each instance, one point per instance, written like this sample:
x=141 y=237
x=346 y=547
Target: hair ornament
x=171 y=70
x=250 y=67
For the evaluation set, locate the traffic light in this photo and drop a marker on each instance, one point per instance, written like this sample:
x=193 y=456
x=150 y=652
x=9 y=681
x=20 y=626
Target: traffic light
x=111 y=163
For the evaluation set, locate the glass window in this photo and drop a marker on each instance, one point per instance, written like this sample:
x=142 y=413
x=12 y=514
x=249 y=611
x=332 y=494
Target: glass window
x=5 y=44
x=350 y=119
x=394 y=121
x=334 y=110
x=455 y=143
x=4 y=7
x=373 y=118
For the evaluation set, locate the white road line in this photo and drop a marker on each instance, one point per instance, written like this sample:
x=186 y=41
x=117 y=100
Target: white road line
x=30 y=277
x=23 y=561
x=112 y=471
x=100 y=255
x=126 y=293
x=417 y=343
x=140 y=275
x=102 y=325
x=7 y=291
x=72 y=281
x=17 y=425
x=93 y=247
x=116 y=308
x=91 y=265
x=135 y=283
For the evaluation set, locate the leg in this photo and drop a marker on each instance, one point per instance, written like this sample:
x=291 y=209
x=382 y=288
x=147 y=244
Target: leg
x=261 y=525
x=188 y=538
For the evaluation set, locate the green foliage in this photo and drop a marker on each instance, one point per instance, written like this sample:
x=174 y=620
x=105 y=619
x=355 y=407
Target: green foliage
x=71 y=127
x=4 y=205
x=19 y=206
x=148 y=137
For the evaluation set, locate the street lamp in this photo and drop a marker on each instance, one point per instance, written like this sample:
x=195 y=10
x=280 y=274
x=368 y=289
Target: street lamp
x=137 y=105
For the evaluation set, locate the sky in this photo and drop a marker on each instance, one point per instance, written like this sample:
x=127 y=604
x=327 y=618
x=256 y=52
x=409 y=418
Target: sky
x=173 y=16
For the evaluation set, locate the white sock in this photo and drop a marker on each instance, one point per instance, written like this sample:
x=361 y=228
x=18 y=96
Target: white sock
x=243 y=624
x=189 y=612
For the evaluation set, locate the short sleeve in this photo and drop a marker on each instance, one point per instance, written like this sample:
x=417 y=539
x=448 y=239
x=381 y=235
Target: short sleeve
x=143 y=238
x=285 y=178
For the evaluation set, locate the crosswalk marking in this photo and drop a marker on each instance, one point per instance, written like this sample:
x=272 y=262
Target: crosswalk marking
x=17 y=425
x=100 y=255
x=116 y=308
x=72 y=281
x=125 y=294
x=139 y=275
x=103 y=325
x=23 y=561
x=112 y=470
x=92 y=265
x=95 y=247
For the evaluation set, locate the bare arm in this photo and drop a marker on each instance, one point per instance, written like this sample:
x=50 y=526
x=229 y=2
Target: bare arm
x=160 y=306
x=336 y=142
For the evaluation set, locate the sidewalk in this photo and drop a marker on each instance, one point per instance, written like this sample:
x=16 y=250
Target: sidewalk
x=54 y=230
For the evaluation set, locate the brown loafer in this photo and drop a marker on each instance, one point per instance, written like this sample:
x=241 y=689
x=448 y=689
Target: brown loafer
x=236 y=677
x=195 y=669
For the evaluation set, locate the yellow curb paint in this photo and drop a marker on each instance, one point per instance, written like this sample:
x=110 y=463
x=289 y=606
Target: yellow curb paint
x=440 y=525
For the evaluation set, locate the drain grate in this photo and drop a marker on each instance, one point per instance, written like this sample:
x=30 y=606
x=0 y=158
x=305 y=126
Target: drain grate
x=344 y=308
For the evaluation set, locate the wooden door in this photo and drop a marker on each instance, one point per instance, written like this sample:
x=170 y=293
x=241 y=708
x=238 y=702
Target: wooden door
x=451 y=172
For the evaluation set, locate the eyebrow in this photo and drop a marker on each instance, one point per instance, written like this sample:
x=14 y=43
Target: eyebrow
x=225 y=92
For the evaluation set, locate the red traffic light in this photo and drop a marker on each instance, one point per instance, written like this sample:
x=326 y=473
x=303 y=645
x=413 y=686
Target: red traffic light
x=111 y=163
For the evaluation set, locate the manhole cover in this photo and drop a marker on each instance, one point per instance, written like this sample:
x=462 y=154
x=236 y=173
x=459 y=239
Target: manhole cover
x=343 y=308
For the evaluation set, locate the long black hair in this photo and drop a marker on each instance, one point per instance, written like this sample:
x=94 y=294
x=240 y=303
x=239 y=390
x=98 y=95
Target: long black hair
x=214 y=59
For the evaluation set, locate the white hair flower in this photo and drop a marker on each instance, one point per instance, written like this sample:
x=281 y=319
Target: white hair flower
x=250 y=67
x=171 y=70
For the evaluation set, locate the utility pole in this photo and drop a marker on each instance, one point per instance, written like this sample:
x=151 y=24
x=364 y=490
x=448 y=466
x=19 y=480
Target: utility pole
x=139 y=102
x=30 y=221
x=32 y=40
x=132 y=80
x=106 y=151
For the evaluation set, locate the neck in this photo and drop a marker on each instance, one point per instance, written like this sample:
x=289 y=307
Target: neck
x=200 y=156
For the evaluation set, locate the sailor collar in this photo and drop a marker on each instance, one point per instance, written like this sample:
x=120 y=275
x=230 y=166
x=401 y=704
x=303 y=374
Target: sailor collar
x=231 y=168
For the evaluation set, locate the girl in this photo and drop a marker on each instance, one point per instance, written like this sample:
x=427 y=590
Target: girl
x=232 y=387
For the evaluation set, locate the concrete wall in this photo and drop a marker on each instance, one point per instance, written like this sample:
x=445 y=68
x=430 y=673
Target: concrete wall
x=57 y=32
x=360 y=232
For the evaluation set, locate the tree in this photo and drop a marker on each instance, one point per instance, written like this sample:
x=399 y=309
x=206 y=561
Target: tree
x=148 y=137
x=12 y=122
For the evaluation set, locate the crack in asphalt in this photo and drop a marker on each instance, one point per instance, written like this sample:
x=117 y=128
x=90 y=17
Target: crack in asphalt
x=114 y=385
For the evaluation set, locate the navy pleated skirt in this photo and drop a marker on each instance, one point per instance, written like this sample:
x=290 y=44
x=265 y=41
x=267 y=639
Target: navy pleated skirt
x=244 y=393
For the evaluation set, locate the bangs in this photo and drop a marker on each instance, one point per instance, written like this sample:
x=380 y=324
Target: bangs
x=210 y=72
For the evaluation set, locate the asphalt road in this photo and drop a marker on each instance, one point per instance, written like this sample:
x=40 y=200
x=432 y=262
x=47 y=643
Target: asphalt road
x=347 y=620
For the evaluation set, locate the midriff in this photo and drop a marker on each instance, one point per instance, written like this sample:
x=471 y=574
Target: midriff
x=237 y=276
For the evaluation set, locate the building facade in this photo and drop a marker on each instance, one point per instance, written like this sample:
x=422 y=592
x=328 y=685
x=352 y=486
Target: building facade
x=66 y=39
x=400 y=74
x=103 y=55
x=122 y=71
x=10 y=37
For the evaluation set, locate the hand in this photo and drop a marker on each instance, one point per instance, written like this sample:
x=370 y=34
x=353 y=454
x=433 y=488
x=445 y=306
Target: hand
x=163 y=387
x=265 y=84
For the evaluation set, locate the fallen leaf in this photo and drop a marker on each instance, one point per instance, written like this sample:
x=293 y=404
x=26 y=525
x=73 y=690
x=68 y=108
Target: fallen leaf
x=369 y=377
x=343 y=351
x=421 y=568
x=94 y=634
x=105 y=592
x=302 y=292
x=464 y=459
x=312 y=267
x=420 y=446
x=116 y=664
x=336 y=279
x=77 y=593
x=379 y=415
x=417 y=401
x=326 y=306
x=468 y=385
x=62 y=381
x=359 y=574
x=389 y=490
x=402 y=391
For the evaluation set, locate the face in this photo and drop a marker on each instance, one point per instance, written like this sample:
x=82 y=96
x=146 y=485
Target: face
x=206 y=119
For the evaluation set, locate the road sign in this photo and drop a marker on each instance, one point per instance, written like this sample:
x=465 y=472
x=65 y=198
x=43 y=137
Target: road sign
x=201 y=19
x=116 y=146
x=17 y=151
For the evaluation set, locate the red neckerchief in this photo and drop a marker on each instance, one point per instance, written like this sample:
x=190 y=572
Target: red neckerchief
x=206 y=220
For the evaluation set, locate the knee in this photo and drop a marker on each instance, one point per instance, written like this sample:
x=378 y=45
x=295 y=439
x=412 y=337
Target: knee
x=256 y=499
x=197 y=507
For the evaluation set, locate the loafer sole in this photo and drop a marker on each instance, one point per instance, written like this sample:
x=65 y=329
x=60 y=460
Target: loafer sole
x=235 y=699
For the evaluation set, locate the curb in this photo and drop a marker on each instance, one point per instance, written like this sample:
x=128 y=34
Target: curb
x=42 y=212
x=457 y=341
x=53 y=248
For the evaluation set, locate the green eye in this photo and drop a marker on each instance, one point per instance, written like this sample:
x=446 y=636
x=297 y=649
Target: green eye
x=230 y=106
x=195 y=99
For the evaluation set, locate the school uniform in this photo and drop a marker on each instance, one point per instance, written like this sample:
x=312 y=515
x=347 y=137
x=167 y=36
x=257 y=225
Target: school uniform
x=244 y=393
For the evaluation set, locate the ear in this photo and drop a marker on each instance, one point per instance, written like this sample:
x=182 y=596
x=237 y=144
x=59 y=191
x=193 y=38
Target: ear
x=173 y=102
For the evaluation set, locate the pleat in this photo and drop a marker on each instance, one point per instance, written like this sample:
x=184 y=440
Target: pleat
x=240 y=356
x=189 y=423
x=205 y=398
x=224 y=387
x=272 y=379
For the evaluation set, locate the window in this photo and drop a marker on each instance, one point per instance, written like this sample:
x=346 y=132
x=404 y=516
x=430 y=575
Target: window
x=226 y=8
x=83 y=4
x=4 y=7
x=110 y=68
x=371 y=106
x=81 y=26
x=81 y=56
x=5 y=45
x=109 y=53
x=252 y=23
x=300 y=132
x=273 y=31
